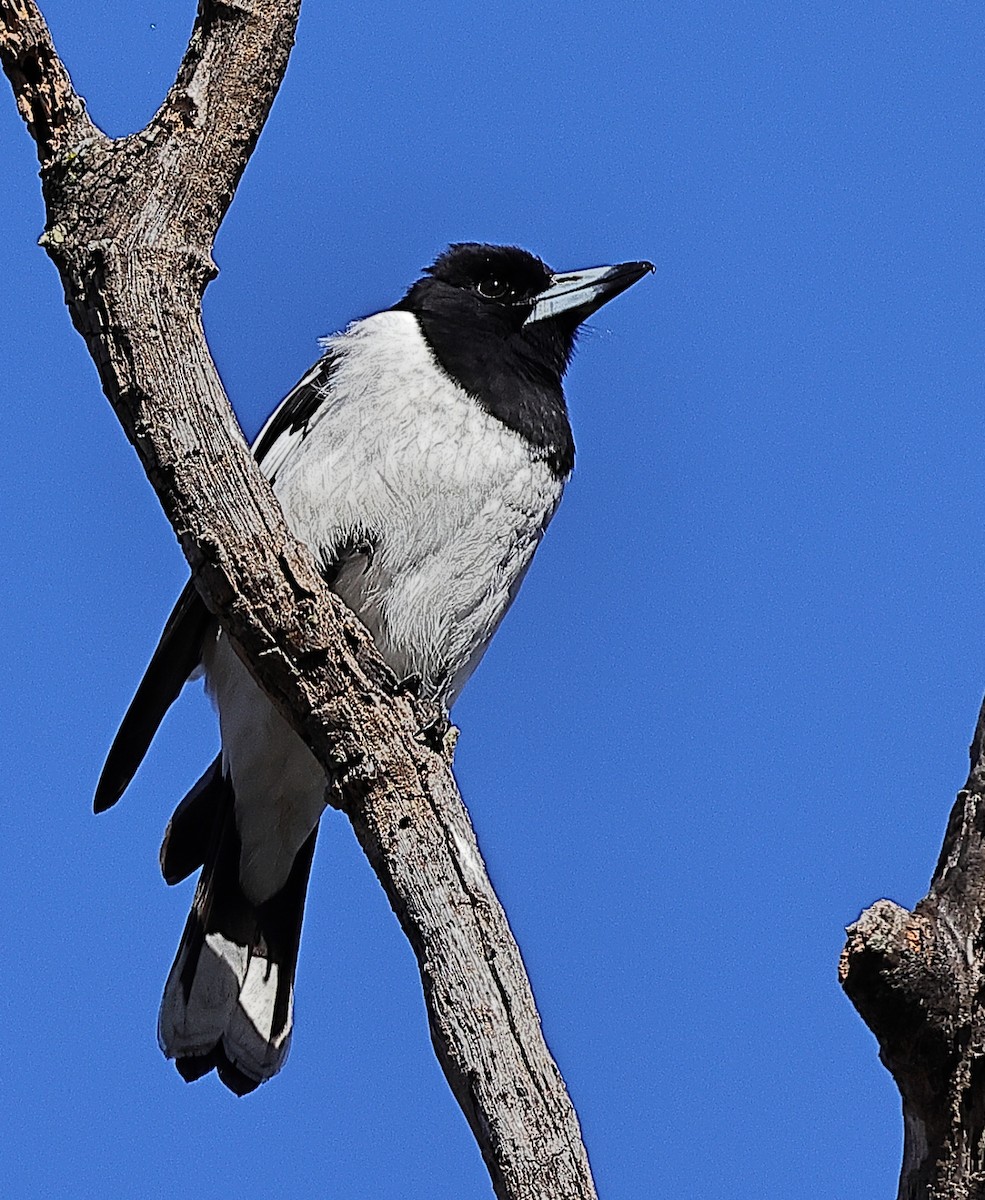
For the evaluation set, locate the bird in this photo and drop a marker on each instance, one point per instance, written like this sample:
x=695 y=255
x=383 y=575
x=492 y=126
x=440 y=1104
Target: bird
x=421 y=459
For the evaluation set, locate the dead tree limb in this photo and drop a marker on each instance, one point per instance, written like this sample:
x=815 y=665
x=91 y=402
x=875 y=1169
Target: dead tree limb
x=130 y=227
x=918 y=981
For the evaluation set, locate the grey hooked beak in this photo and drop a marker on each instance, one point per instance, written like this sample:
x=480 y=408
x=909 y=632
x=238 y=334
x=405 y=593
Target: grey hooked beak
x=583 y=292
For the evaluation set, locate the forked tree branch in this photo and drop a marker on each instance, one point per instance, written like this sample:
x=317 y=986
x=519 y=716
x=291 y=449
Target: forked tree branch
x=918 y=981
x=130 y=227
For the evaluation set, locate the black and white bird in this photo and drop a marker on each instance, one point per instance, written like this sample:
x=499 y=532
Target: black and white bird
x=421 y=458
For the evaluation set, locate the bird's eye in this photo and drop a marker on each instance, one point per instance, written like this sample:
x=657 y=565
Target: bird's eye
x=494 y=288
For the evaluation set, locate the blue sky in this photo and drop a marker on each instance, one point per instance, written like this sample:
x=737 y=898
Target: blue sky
x=732 y=704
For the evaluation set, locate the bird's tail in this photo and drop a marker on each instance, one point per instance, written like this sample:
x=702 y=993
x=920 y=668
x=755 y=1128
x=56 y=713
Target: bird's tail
x=228 y=1002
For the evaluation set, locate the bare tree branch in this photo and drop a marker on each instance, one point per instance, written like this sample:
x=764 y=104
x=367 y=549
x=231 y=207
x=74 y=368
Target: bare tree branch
x=918 y=981
x=55 y=115
x=130 y=228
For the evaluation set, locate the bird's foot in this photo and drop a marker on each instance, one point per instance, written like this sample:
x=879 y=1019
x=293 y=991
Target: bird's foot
x=436 y=730
x=410 y=685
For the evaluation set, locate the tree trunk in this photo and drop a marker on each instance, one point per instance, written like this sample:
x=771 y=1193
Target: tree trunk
x=918 y=980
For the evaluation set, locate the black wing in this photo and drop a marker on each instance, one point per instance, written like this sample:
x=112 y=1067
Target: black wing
x=179 y=651
x=177 y=655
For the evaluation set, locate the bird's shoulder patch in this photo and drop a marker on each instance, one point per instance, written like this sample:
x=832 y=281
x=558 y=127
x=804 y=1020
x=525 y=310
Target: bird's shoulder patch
x=290 y=422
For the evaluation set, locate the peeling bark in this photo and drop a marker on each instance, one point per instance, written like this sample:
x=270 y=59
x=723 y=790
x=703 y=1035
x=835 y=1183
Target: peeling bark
x=918 y=981
x=130 y=227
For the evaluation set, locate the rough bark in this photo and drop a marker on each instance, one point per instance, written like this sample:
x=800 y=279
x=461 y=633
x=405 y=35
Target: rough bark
x=130 y=227
x=918 y=981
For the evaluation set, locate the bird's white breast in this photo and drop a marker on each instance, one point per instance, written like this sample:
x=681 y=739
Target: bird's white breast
x=452 y=501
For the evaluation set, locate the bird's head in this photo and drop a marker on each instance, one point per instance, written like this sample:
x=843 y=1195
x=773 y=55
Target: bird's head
x=476 y=292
